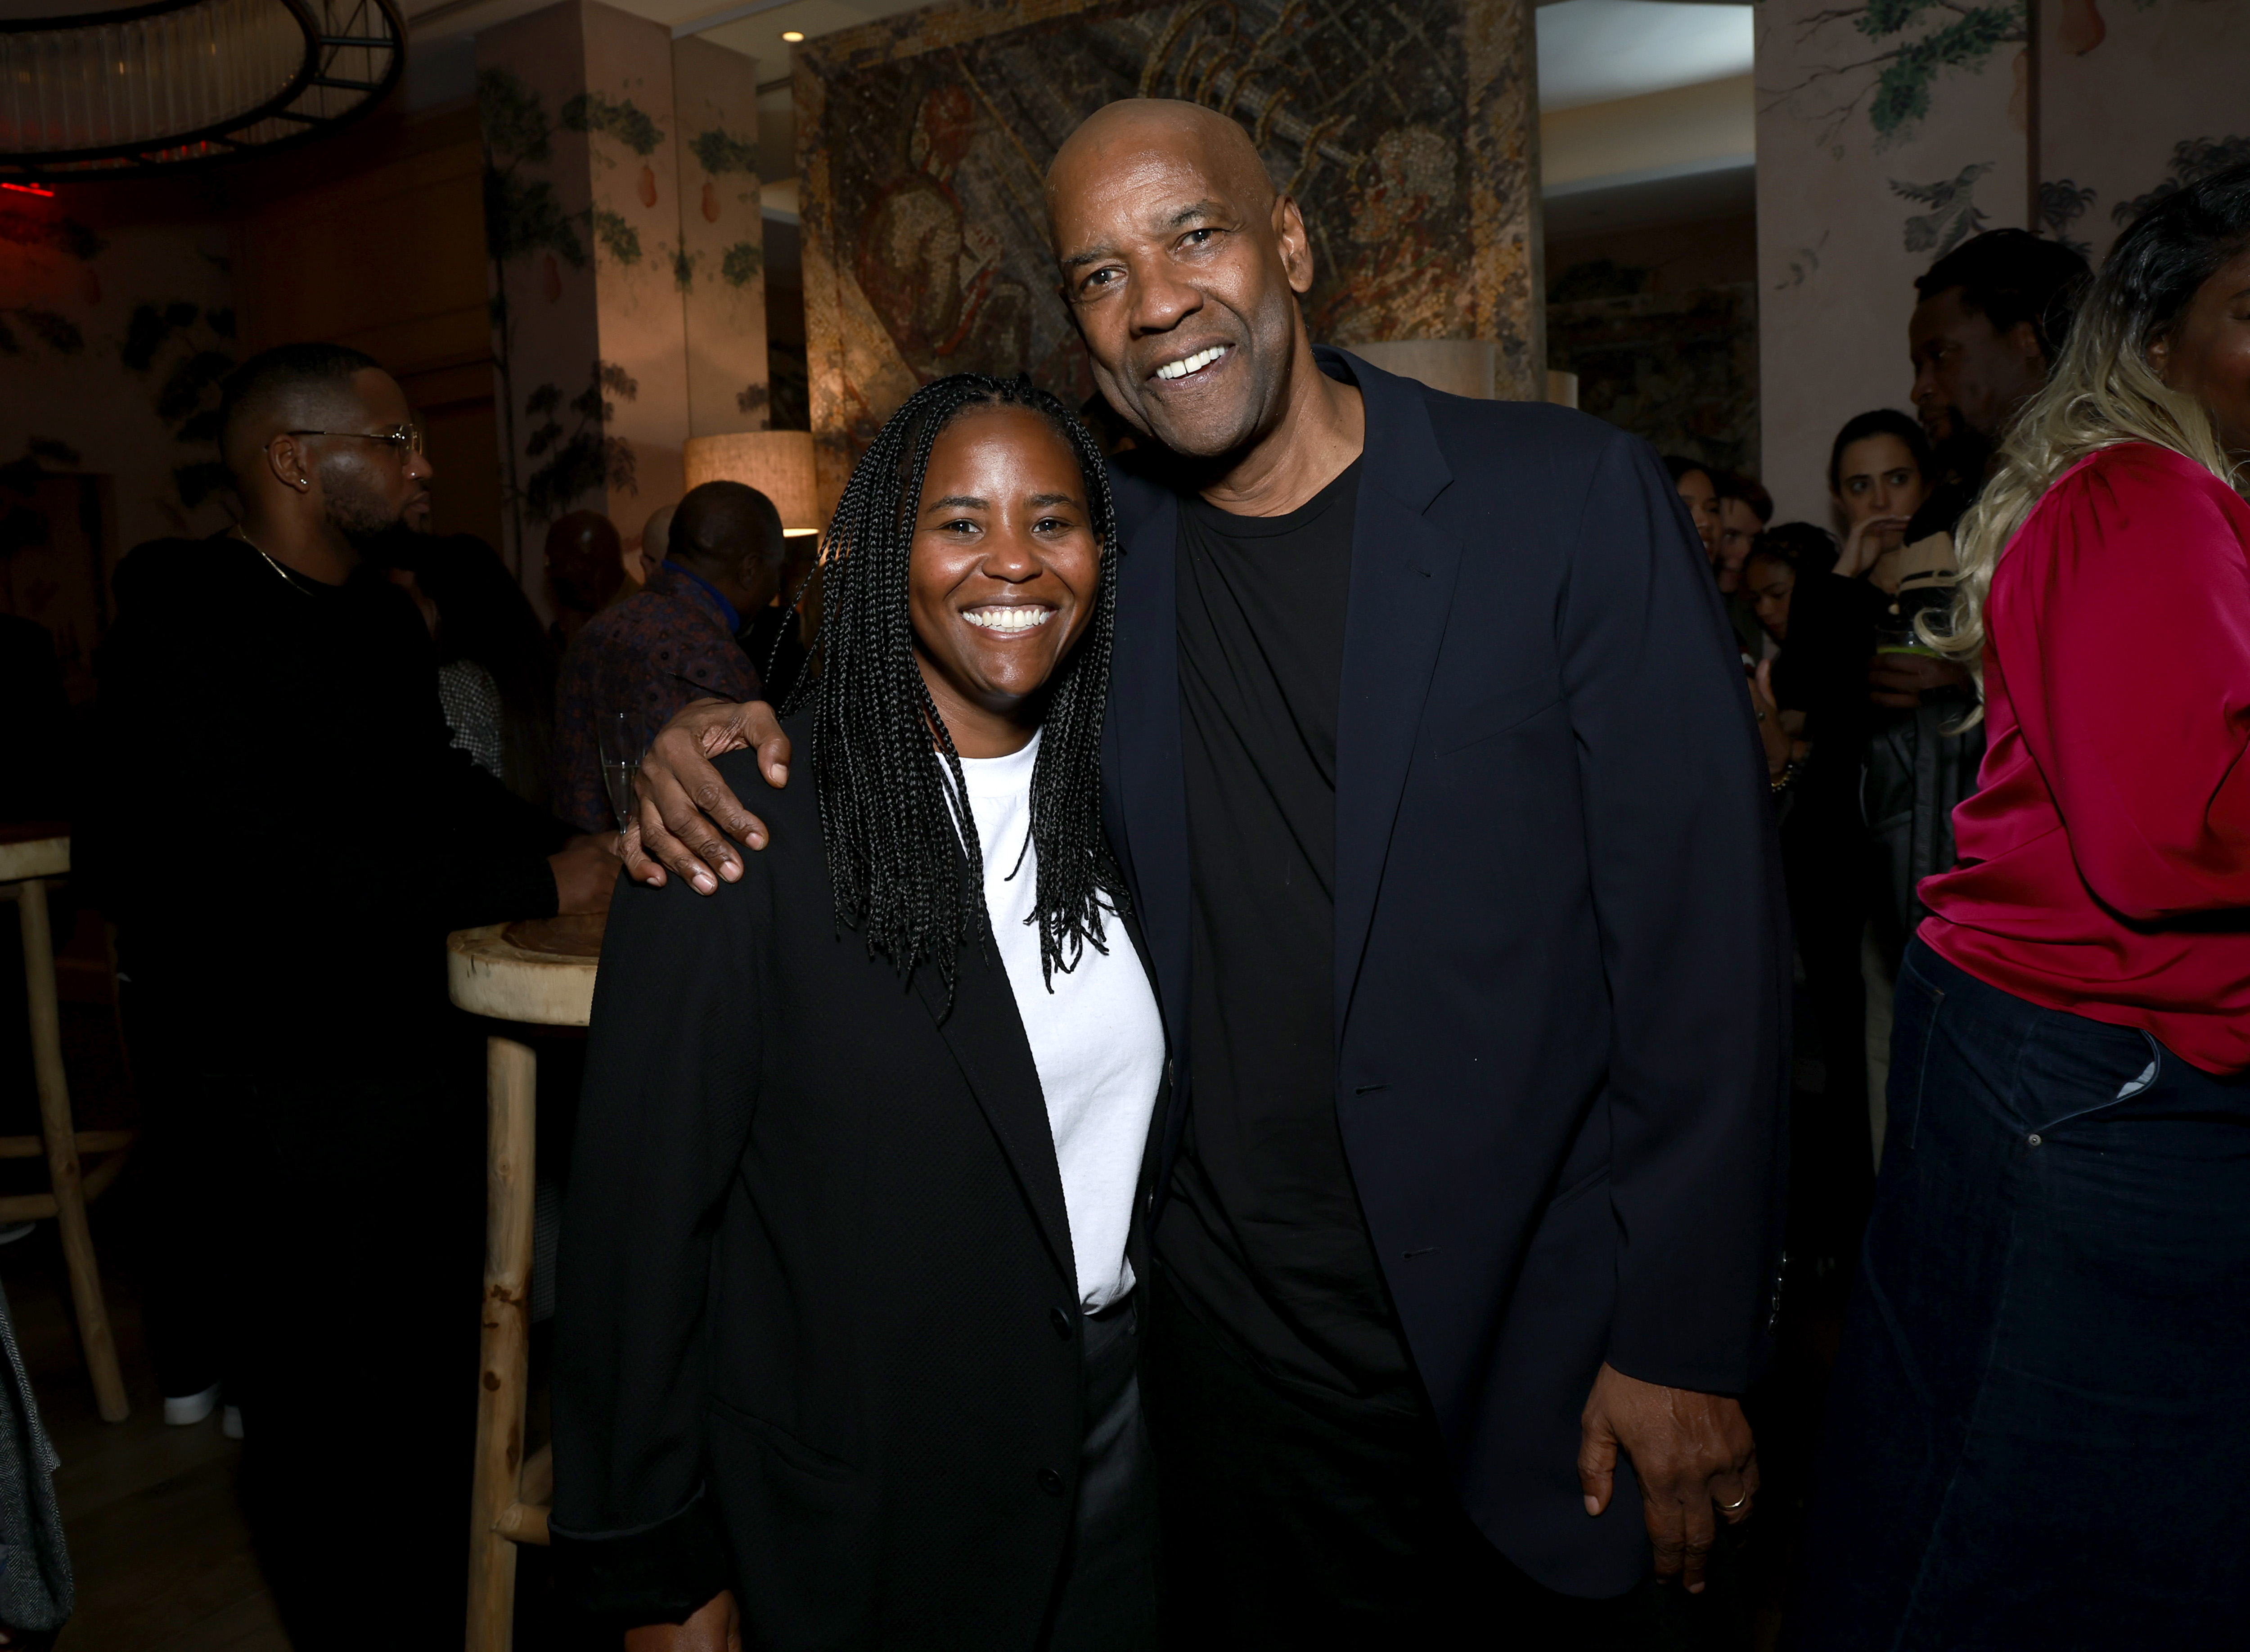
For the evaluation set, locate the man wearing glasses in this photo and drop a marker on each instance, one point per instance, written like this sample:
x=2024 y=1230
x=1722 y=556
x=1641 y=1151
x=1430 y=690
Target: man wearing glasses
x=312 y=1109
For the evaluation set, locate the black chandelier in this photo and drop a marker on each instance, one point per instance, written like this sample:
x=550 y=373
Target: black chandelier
x=176 y=83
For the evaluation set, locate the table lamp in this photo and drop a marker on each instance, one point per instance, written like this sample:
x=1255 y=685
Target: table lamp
x=777 y=462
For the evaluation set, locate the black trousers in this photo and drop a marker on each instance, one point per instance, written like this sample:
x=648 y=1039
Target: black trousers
x=1824 y=858
x=315 y=1235
x=1105 y=1598
x=1292 y=1522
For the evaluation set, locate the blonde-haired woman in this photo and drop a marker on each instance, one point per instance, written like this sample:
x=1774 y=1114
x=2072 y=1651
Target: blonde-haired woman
x=2039 y=1426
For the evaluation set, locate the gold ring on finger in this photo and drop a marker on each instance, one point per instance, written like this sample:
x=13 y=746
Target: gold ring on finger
x=1740 y=1502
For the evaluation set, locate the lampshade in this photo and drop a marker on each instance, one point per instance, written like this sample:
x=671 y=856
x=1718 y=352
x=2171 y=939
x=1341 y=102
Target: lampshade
x=153 y=87
x=1460 y=367
x=777 y=462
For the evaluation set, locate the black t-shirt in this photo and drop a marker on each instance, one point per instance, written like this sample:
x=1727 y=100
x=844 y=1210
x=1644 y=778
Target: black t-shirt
x=1264 y=1234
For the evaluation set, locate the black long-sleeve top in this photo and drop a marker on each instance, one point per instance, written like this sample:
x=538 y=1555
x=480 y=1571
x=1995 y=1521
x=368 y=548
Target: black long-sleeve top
x=1822 y=670
x=283 y=831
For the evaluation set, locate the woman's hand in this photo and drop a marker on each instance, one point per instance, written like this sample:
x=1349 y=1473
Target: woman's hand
x=716 y=1627
x=585 y=871
x=1869 y=538
x=684 y=812
x=1899 y=681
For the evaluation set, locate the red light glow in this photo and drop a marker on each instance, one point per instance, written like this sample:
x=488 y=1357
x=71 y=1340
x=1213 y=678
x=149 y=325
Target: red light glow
x=29 y=189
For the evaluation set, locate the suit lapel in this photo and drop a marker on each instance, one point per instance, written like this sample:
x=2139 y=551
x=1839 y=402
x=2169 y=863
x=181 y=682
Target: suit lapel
x=986 y=1036
x=1403 y=569
x=1147 y=767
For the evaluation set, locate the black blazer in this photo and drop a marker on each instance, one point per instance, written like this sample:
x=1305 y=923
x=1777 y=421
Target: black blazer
x=1560 y=944
x=817 y=1329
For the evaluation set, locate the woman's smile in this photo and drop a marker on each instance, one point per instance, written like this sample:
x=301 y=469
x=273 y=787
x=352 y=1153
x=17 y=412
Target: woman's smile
x=1010 y=618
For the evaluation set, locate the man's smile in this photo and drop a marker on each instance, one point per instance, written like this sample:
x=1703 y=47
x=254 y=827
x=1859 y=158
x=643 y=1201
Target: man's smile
x=1187 y=366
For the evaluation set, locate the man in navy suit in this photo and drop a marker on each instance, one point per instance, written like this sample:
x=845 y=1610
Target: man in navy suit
x=1431 y=768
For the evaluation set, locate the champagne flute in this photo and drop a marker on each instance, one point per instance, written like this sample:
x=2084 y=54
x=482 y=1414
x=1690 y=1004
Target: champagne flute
x=620 y=752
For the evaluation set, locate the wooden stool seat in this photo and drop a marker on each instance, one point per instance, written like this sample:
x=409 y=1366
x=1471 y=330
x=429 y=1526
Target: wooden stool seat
x=30 y=856
x=538 y=972
x=42 y=856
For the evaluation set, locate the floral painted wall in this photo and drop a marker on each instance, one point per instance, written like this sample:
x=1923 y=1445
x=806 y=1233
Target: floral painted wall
x=626 y=276
x=1403 y=128
x=1888 y=132
x=2136 y=98
x=113 y=343
x=721 y=255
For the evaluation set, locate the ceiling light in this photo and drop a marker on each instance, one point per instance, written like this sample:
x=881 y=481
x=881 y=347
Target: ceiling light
x=171 y=82
x=792 y=35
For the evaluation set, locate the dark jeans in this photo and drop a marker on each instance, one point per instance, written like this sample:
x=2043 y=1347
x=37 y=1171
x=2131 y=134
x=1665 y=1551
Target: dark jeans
x=1293 y=1521
x=2036 y=1431
x=1105 y=1598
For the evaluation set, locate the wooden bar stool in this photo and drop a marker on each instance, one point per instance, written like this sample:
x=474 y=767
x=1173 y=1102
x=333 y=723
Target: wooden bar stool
x=540 y=973
x=29 y=859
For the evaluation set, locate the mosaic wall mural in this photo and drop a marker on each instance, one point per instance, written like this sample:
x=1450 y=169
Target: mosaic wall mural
x=1403 y=128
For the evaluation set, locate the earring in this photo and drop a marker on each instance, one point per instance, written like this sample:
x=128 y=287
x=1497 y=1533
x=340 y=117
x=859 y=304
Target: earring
x=302 y=483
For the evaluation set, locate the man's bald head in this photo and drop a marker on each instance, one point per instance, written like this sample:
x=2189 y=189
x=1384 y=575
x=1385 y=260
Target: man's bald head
x=1182 y=267
x=1138 y=131
x=721 y=526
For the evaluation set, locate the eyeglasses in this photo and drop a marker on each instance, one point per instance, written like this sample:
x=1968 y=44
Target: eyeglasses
x=403 y=439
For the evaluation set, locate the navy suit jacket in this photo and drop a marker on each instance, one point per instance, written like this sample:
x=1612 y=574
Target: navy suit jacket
x=1561 y=943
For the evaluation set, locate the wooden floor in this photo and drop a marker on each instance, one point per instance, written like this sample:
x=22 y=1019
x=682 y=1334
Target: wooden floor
x=158 y=1545
x=162 y=1558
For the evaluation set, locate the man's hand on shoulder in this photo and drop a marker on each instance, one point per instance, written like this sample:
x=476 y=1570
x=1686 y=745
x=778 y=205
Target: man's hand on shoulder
x=1692 y=1452
x=685 y=813
x=716 y=1627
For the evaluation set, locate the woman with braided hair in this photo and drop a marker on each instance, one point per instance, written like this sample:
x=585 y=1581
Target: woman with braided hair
x=846 y=1323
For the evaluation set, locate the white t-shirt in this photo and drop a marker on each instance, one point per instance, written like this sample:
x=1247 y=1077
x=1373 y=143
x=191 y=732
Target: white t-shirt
x=1096 y=1039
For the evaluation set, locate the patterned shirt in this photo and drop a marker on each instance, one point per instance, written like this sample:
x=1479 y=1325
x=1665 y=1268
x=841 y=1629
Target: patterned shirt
x=647 y=656
x=472 y=702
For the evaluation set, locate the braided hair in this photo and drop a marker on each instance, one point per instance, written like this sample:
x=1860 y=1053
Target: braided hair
x=903 y=855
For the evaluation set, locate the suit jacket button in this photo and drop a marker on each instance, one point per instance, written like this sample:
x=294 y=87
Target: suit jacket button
x=1050 y=1483
x=1061 y=1323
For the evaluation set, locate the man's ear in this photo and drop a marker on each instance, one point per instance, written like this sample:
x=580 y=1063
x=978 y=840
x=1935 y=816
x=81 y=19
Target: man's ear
x=2024 y=338
x=1296 y=246
x=285 y=459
